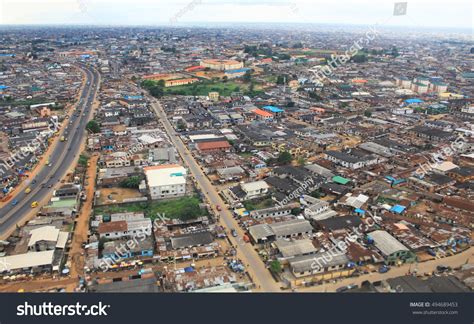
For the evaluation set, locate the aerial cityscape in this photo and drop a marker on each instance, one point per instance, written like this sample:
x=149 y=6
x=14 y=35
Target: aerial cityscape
x=282 y=156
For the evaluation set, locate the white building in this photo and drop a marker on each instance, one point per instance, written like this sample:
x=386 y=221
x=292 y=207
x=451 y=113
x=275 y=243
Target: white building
x=166 y=181
x=254 y=189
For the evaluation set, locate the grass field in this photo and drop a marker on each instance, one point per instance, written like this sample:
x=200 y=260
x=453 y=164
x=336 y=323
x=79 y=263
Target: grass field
x=258 y=204
x=183 y=208
x=202 y=89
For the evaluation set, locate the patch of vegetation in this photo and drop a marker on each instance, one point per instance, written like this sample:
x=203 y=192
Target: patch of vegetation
x=93 y=126
x=83 y=160
x=202 y=89
x=184 y=208
x=275 y=267
x=133 y=182
x=256 y=204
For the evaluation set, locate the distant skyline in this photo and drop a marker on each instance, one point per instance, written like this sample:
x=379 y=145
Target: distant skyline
x=420 y=14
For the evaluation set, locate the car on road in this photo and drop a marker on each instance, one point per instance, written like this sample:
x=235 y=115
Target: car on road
x=233 y=232
x=15 y=202
x=443 y=268
x=219 y=208
x=34 y=204
x=346 y=288
x=384 y=269
x=28 y=190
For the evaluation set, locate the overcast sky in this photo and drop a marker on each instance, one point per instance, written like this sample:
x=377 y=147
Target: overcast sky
x=420 y=13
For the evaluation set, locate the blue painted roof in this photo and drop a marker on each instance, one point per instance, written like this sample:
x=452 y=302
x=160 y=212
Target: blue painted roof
x=413 y=100
x=237 y=70
x=3 y=87
x=359 y=211
x=132 y=97
x=397 y=209
x=273 y=109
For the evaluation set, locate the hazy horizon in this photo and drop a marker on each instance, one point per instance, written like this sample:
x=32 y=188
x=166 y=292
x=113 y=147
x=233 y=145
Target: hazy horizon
x=457 y=14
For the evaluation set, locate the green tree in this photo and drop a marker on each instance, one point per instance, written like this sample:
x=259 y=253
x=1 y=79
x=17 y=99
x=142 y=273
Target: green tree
x=93 y=127
x=181 y=125
x=281 y=79
x=315 y=194
x=156 y=91
x=247 y=76
x=133 y=182
x=275 y=266
x=83 y=160
x=284 y=158
x=368 y=113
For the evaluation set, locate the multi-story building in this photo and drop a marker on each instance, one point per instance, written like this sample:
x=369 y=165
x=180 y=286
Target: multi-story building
x=166 y=181
x=221 y=65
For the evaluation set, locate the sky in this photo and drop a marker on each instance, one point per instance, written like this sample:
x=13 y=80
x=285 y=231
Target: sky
x=420 y=13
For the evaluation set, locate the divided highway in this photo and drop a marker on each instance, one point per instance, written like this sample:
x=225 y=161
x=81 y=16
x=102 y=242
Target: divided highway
x=61 y=159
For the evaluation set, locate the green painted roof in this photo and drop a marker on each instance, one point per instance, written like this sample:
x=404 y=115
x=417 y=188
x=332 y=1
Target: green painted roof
x=64 y=203
x=340 y=180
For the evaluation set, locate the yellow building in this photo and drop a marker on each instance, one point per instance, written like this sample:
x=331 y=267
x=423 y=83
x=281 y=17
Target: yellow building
x=221 y=65
x=214 y=96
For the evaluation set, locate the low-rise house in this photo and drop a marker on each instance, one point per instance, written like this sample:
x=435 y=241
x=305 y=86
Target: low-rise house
x=276 y=211
x=294 y=248
x=350 y=160
x=123 y=228
x=393 y=251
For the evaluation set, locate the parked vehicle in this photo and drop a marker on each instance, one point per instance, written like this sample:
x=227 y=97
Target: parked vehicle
x=384 y=269
x=443 y=268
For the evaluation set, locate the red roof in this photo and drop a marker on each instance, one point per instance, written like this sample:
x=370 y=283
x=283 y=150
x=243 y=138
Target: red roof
x=203 y=146
x=194 y=68
x=262 y=113
x=118 y=226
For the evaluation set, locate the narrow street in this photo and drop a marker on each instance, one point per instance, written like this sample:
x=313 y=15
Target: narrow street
x=260 y=275
x=76 y=253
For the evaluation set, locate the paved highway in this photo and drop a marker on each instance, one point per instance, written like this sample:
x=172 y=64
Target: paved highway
x=260 y=275
x=61 y=159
